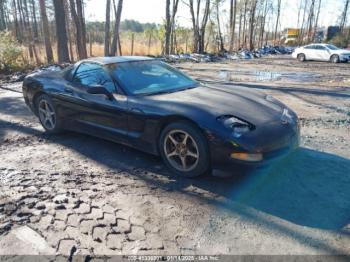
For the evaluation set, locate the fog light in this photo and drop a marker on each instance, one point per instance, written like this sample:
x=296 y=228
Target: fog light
x=247 y=157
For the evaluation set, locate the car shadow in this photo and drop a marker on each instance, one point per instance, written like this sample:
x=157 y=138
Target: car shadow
x=308 y=188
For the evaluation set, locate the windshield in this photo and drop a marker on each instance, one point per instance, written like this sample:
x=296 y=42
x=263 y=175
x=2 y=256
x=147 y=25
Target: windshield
x=150 y=77
x=332 y=47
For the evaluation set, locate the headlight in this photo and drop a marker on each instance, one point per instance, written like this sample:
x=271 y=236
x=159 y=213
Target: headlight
x=238 y=126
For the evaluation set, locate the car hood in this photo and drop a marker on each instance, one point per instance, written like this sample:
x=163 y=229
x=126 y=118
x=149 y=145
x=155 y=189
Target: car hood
x=241 y=102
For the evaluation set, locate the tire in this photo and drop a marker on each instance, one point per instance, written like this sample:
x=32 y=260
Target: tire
x=194 y=150
x=335 y=59
x=301 y=57
x=44 y=103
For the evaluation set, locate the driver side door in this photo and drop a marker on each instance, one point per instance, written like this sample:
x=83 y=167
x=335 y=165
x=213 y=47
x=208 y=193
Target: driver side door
x=321 y=53
x=96 y=114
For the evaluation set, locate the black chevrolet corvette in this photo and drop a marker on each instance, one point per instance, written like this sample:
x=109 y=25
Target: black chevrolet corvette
x=149 y=105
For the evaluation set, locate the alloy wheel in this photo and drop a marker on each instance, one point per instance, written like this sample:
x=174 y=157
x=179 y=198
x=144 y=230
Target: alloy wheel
x=47 y=115
x=181 y=150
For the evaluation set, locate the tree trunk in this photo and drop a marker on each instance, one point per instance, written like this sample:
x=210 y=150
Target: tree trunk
x=167 y=27
x=310 y=20
x=203 y=26
x=343 y=18
x=278 y=18
x=79 y=33
x=45 y=25
x=107 y=28
x=34 y=23
x=316 y=21
x=251 y=24
x=240 y=29
x=69 y=29
x=61 y=32
x=132 y=43
x=3 y=25
x=173 y=26
x=244 y=24
x=81 y=20
x=17 y=26
x=120 y=47
x=221 y=41
x=233 y=13
x=118 y=14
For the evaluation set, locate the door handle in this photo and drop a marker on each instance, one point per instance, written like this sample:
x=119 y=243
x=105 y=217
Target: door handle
x=137 y=111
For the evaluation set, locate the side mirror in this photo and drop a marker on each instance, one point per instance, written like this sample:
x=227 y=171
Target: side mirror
x=100 y=90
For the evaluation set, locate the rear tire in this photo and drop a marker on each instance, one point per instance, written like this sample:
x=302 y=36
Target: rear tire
x=184 y=149
x=48 y=115
x=301 y=57
x=335 y=59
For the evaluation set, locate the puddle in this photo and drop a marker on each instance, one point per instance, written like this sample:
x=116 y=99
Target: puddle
x=267 y=76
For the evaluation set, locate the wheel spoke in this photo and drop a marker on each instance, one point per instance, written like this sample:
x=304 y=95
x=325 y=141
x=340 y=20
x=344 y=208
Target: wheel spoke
x=41 y=110
x=183 y=162
x=46 y=106
x=171 y=154
x=192 y=154
x=47 y=115
x=51 y=122
x=185 y=139
x=173 y=140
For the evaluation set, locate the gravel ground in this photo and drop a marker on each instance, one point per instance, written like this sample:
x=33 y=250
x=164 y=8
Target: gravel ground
x=83 y=195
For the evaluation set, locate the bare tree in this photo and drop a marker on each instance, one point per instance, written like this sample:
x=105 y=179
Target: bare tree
x=172 y=26
x=3 y=24
x=107 y=28
x=344 y=14
x=310 y=20
x=220 y=38
x=316 y=20
x=79 y=25
x=233 y=12
x=61 y=32
x=167 y=28
x=69 y=23
x=252 y=24
x=34 y=22
x=116 y=38
x=277 y=18
x=46 y=31
x=199 y=27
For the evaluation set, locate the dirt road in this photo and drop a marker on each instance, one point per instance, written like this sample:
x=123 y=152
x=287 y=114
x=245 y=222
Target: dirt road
x=83 y=195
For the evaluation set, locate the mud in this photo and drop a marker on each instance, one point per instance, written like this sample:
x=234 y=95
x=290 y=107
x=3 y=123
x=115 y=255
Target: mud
x=86 y=196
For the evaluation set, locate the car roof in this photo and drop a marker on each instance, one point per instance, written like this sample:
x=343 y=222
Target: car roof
x=318 y=44
x=116 y=59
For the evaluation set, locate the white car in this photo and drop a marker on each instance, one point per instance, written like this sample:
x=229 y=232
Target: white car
x=321 y=52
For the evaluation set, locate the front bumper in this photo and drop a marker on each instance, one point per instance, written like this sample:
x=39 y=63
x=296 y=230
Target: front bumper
x=221 y=150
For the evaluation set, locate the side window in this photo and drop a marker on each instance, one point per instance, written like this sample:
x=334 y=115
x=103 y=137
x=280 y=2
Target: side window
x=310 y=47
x=92 y=75
x=320 y=47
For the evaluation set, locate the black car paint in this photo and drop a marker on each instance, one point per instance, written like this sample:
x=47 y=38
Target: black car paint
x=137 y=121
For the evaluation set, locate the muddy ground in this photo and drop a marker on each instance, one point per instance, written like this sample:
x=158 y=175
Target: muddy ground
x=75 y=194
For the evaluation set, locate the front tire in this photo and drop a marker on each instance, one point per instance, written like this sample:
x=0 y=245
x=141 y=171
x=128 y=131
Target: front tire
x=47 y=114
x=184 y=149
x=335 y=59
x=301 y=58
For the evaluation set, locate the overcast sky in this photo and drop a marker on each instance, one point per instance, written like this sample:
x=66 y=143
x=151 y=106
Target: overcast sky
x=153 y=11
